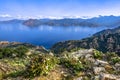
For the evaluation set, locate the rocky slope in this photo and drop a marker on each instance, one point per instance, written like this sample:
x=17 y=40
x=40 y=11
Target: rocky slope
x=106 y=40
x=21 y=61
x=82 y=64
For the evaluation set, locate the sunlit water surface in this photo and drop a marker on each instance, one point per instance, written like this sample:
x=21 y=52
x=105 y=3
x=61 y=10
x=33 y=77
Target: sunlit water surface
x=44 y=35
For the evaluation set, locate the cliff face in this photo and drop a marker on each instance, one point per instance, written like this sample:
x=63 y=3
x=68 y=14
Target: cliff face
x=107 y=40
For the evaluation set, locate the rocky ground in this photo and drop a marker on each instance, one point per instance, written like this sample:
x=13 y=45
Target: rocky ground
x=80 y=64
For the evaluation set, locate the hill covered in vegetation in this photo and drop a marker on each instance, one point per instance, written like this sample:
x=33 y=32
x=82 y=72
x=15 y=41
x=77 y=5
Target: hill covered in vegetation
x=105 y=41
x=23 y=62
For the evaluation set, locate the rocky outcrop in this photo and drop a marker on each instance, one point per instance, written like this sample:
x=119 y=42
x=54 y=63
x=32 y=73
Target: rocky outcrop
x=32 y=22
x=14 y=44
x=98 y=70
x=100 y=63
x=87 y=53
x=104 y=76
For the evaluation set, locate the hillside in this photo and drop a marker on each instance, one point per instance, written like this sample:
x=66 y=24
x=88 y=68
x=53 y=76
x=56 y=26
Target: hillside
x=106 y=40
x=26 y=63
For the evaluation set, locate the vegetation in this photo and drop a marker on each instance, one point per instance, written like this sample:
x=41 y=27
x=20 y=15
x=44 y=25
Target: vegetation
x=105 y=41
x=13 y=52
x=97 y=54
x=68 y=65
x=41 y=65
x=115 y=59
x=73 y=64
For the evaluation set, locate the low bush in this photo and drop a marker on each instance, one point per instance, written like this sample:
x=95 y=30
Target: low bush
x=97 y=54
x=115 y=60
x=110 y=55
x=13 y=52
x=73 y=64
x=41 y=65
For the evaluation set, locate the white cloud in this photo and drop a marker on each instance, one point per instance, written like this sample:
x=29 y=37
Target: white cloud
x=38 y=17
x=5 y=15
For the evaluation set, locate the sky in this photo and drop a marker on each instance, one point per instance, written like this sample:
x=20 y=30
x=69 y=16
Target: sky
x=58 y=8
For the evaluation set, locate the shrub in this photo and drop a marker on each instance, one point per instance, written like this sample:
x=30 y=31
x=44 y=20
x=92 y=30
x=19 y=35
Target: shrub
x=13 y=52
x=97 y=54
x=110 y=55
x=6 y=52
x=73 y=64
x=115 y=60
x=15 y=74
x=1 y=55
x=1 y=75
x=41 y=65
x=20 y=51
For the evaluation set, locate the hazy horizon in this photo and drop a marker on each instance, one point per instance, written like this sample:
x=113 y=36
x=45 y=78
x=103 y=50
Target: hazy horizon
x=24 y=9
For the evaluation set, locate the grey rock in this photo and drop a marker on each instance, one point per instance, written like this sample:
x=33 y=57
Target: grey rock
x=98 y=70
x=104 y=76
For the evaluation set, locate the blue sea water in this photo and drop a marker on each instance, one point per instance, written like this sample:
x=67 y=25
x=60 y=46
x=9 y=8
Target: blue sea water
x=44 y=35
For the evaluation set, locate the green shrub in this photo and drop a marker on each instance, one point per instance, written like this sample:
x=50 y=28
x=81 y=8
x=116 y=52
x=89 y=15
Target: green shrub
x=115 y=60
x=97 y=54
x=13 y=52
x=110 y=55
x=41 y=65
x=1 y=75
x=20 y=51
x=6 y=52
x=69 y=77
x=15 y=74
x=76 y=49
x=73 y=64
x=1 y=55
x=86 y=78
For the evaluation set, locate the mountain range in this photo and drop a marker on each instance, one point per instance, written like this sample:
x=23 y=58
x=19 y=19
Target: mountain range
x=107 y=21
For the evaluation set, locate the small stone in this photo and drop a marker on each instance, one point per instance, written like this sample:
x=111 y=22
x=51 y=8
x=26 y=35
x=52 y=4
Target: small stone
x=97 y=70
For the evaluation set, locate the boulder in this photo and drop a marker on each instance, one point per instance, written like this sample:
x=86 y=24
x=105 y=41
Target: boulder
x=79 y=78
x=87 y=53
x=117 y=66
x=104 y=76
x=100 y=63
x=98 y=70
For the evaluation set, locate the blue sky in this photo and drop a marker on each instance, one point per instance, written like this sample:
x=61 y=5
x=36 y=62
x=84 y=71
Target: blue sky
x=58 y=8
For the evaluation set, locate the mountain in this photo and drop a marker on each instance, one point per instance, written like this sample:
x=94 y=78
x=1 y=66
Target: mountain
x=106 y=40
x=14 y=21
x=53 y=22
x=108 y=21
